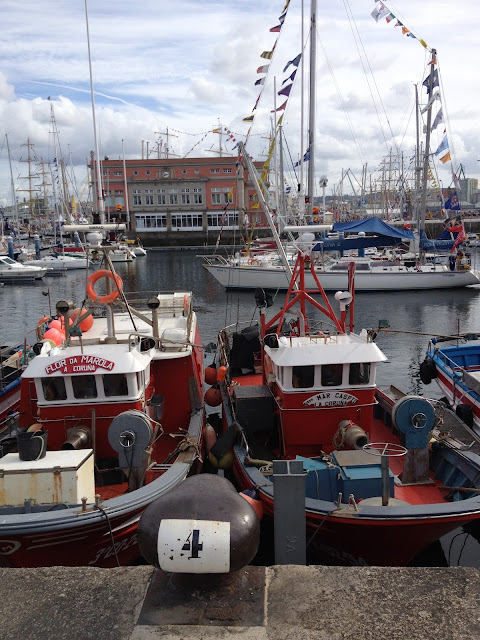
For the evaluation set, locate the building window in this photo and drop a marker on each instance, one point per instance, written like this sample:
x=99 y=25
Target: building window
x=227 y=171
x=197 y=196
x=184 y=171
x=187 y=221
x=135 y=173
x=137 y=191
x=217 y=220
x=196 y=171
x=214 y=170
x=148 y=190
x=105 y=173
x=148 y=199
x=137 y=201
x=151 y=221
x=147 y=172
x=216 y=198
x=118 y=193
x=118 y=173
x=185 y=196
x=173 y=198
x=161 y=199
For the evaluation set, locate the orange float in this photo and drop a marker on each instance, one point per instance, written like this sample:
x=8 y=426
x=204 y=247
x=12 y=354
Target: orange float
x=98 y=275
x=85 y=324
x=55 y=335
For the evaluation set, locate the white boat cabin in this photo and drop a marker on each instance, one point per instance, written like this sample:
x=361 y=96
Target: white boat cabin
x=310 y=363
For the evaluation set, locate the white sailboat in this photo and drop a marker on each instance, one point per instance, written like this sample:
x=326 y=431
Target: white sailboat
x=371 y=275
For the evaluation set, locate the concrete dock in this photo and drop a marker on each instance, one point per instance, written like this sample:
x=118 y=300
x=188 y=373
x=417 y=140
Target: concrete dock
x=256 y=603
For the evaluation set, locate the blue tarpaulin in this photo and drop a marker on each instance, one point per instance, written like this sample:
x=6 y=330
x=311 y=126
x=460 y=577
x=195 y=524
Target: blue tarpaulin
x=374 y=225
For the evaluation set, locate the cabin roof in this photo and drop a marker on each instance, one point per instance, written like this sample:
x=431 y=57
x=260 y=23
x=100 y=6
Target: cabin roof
x=310 y=350
x=103 y=358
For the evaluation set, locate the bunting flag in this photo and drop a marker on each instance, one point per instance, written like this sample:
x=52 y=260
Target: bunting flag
x=280 y=108
x=249 y=119
x=260 y=81
x=426 y=82
x=380 y=12
x=267 y=54
x=286 y=90
x=263 y=69
x=306 y=157
x=435 y=96
x=438 y=119
x=215 y=130
x=290 y=77
x=295 y=62
x=446 y=158
x=442 y=146
x=276 y=29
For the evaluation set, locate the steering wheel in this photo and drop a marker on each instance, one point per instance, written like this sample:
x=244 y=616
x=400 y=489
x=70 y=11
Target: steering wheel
x=384 y=449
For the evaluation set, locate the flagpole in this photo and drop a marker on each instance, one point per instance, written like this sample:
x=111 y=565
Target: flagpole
x=101 y=201
x=311 y=133
x=423 y=206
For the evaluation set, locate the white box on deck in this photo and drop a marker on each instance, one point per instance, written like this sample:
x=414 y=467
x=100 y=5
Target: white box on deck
x=61 y=476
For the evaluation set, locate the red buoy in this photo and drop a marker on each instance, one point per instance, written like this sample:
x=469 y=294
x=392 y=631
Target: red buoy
x=211 y=374
x=213 y=396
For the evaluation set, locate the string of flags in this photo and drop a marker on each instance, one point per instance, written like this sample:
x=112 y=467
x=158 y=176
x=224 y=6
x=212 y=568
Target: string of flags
x=267 y=55
x=382 y=11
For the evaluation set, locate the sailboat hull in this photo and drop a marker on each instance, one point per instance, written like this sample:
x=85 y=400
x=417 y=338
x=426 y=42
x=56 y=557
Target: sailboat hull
x=376 y=279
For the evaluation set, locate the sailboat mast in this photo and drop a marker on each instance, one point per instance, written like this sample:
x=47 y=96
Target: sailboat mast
x=311 y=126
x=101 y=201
x=423 y=206
x=14 y=199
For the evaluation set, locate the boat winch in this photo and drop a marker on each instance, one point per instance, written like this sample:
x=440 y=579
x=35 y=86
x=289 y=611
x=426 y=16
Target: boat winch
x=130 y=434
x=414 y=416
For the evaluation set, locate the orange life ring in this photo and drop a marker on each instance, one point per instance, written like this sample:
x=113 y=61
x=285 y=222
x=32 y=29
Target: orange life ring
x=253 y=261
x=98 y=275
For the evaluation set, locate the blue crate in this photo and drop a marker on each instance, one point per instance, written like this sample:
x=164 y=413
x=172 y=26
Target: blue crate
x=364 y=480
x=321 y=481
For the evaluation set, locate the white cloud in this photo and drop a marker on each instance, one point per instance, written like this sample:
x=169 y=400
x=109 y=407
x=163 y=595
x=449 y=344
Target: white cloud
x=187 y=65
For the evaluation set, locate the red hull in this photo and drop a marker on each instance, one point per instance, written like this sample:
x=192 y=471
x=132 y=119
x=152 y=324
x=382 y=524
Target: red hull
x=371 y=542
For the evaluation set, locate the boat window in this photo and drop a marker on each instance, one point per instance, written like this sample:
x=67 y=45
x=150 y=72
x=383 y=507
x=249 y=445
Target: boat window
x=54 y=389
x=359 y=373
x=303 y=376
x=84 y=386
x=115 y=384
x=332 y=375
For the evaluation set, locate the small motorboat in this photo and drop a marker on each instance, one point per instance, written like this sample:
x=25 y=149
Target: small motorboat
x=15 y=272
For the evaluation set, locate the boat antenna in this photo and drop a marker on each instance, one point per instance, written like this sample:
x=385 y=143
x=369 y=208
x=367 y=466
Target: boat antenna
x=101 y=201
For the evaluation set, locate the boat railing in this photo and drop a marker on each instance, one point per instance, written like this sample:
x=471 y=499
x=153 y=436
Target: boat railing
x=215 y=260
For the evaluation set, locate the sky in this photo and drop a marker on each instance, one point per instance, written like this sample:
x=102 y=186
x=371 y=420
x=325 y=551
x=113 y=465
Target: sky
x=190 y=66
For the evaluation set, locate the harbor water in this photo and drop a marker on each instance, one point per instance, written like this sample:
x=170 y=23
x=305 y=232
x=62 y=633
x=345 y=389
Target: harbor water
x=415 y=315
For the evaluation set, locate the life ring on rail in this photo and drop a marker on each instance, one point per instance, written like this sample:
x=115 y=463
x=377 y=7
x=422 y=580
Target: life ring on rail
x=98 y=275
x=253 y=262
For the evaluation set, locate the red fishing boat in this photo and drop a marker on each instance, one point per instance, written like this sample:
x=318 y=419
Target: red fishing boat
x=111 y=417
x=386 y=474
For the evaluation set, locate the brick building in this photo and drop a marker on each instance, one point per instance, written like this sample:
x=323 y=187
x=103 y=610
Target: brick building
x=179 y=200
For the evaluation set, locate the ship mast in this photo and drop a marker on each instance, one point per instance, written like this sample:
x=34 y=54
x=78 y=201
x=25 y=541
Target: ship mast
x=423 y=205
